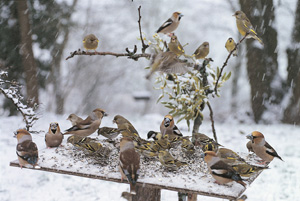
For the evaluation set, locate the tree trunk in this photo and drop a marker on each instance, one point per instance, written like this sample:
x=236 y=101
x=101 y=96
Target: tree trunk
x=30 y=69
x=262 y=63
x=292 y=112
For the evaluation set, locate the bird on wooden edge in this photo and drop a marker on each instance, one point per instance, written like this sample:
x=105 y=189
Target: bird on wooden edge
x=221 y=171
x=262 y=148
x=129 y=162
x=26 y=149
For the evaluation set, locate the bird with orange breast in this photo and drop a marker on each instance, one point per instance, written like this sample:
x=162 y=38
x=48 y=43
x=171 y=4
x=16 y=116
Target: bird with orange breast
x=26 y=150
x=262 y=148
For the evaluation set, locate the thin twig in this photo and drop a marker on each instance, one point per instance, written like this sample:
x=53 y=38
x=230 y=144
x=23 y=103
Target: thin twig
x=144 y=46
x=226 y=61
x=130 y=55
x=211 y=114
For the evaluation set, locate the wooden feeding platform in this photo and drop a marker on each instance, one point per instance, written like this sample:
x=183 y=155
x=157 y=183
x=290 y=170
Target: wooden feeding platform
x=153 y=177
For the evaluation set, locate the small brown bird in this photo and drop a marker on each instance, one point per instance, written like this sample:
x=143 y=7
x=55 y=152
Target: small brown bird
x=90 y=42
x=261 y=148
x=124 y=126
x=175 y=46
x=230 y=45
x=109 y=132
x=249 y=146
x=206 y=143
x=171 y=24
x=89 y=125
x=76 y=140
x=74 y=119
x=244 y=26
x=26 y=149
x=167 y=160
x=168 y=126
x=202 y=51
x=129 y=162
x=53 y=137
x=167 y=62
x=246 y=170
x=221 y=171
x=229 y=156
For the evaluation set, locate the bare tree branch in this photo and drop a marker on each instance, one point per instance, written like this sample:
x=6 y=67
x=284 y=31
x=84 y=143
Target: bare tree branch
x=226 y=61
x=130 y=55
x=144 y=46
x=211 y=114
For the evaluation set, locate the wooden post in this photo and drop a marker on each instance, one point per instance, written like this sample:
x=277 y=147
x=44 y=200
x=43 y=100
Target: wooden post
x=144 y=193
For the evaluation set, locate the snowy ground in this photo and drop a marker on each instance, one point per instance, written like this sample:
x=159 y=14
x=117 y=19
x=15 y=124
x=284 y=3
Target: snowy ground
x=281 y=182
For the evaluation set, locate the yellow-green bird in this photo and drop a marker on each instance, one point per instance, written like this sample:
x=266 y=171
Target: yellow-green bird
x=245 y=169
x=230 y=45
x=244 y=26
x=167 y=160
x=202 y=51
x=90 y=42
x=175 y=46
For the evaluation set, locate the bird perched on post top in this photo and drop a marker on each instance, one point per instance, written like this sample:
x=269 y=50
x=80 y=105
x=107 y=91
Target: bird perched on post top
x=89 y=125
x=129 y=165
x=221 y=171
x=53 y=137
x=26 y=149
x=171 y=24
x=202 y=51
x=261 y=148
x=167 y=62
x=175 y=46
x=74 y=119
x=244 y=26
x=230 y=45
x=168 y=126
x=90 y=42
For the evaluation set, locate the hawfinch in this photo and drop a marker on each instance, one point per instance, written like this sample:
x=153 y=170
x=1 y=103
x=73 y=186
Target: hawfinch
x=53 y=137
x=171 y=24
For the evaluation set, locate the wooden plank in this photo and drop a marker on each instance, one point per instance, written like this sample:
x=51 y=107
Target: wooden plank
x=140 y=184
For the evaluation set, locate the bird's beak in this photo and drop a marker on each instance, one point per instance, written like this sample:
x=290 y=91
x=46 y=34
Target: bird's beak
x=105 y=114
x=167 y=122
x=114 y=121
x=250 y=137
x=180 y=15
x=202 y=155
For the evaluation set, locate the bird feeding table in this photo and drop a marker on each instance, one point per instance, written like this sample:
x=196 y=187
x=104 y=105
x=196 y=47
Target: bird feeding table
x=151 y=180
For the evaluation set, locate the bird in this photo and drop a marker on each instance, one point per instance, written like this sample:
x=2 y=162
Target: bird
x=249 y=146
x=90 y=42
x=202 y=51
x=230 y=45
x=125 y=127
x=245 y=169
x=168 y=126
x=167 y=62
x=26 y=149
x=129 y=163
x=92 y=146
x=187 y=145
x=89 y=125
x=262 y=148
x=76 y=140
x=171 y=24
x=221 y=171
x=168 y=161
x=242 y=198
x=229 y=156
x=205 y=143
x=244 y=26
x=53 y=137
x=175 y=46
x=109 y=132
x=74 y=119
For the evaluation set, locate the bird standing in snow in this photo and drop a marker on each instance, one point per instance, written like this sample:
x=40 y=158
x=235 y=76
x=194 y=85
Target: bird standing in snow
x=261 y=148
x=90 y=42
x=89 y=125
x=129 y=164
x=244 y=26
x=27 y=150
x=171 y=24
x=53 y=137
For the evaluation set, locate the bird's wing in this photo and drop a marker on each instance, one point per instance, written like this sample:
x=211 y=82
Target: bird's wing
x=270 y=150
x=165 y=24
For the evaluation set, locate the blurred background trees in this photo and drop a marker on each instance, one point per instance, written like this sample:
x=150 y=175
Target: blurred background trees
x=35 y=41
